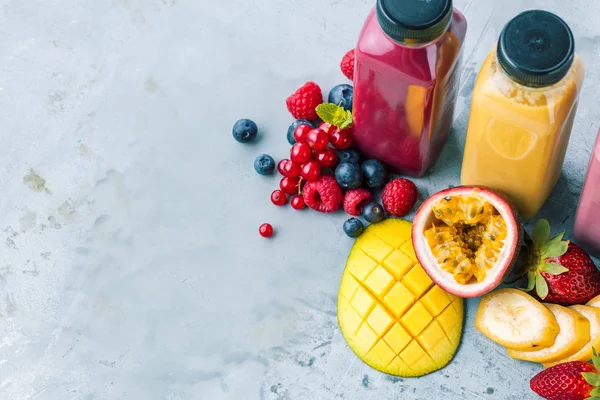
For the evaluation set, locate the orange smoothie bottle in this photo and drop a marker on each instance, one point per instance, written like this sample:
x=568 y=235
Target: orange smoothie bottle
x=524 y=104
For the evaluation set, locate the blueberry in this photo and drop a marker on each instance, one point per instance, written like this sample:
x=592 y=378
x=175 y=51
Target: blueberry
x=264 y=164
x=349 y=175
x=293 y=126
x=354 y=227
x=342 y=94
x=373 y=212
x=349 y=155
x=245 y=130
x=375 y=173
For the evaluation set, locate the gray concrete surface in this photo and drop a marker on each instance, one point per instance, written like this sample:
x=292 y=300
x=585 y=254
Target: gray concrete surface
x=130 y=266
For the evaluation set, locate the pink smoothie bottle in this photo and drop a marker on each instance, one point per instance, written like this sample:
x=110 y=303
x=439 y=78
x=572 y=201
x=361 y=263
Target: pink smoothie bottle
x=406 y=80
x=587 y=221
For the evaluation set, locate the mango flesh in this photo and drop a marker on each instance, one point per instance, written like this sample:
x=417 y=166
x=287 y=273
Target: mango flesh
x=390 y=312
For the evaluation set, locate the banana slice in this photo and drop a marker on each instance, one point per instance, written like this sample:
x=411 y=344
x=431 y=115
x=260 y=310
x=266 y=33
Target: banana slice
x=574 y=334
x=516 y=320
x=595 y=302
x=585 y=354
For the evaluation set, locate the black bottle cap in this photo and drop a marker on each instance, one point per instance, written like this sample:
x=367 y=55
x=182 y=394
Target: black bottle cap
x=420 y=21
x=536 y=48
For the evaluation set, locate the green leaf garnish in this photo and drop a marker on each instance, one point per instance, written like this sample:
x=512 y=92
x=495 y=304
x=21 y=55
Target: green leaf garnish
x=592 y=378
x=553 y=268
x=596 y=359
x=541 y=233
x=541 y=286
x=335 y=115
x=530 y=281
x=555 y=247
x=595 y=392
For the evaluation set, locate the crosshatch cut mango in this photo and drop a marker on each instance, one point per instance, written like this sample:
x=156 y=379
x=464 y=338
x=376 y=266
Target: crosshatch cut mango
x=390 y=312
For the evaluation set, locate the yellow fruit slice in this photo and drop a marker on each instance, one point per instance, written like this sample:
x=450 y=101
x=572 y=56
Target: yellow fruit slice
x=516 y=320
x=595 y=302
x=585 y=354
x=390 y=312
x=574 y=334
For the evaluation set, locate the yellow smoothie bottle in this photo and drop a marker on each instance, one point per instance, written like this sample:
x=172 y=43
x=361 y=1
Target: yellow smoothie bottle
x=524 y=104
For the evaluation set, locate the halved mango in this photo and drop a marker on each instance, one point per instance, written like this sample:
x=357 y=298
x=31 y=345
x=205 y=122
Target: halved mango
x=516 y=320
x=573 y=336
x=585 y=354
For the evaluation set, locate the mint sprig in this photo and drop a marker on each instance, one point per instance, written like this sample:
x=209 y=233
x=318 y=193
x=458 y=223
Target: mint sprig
x=335 y=115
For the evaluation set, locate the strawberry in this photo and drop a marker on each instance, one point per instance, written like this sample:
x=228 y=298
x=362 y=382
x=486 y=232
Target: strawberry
x=561 y=271
x=575 y=380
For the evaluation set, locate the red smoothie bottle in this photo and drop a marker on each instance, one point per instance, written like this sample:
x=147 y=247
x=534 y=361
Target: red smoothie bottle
x=406 y=80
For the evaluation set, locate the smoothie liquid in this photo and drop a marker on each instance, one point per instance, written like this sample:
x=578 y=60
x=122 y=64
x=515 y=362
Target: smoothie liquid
x=587 y=221
x=406 y=81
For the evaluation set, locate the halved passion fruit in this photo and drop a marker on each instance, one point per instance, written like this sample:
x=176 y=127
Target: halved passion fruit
x=467 y=239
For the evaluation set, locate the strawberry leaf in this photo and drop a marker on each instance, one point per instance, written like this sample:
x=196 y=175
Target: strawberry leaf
x=596 y=359
x=592 y=378
x=555 y=247
x=593 y=398
x=530 y=281
x=595 y=392
x=541 y=286
x=553 y=268
x=541 y=233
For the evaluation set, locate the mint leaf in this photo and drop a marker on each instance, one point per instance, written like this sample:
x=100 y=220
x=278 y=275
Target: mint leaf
x=592 y=378
x=541 y=233
x=335 y=115
x=326 y=112
x=555 y=247
x=553 y=268
x=541 y=286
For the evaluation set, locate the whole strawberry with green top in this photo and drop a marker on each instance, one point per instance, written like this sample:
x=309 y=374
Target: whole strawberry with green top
x=575 y=380
x=560 y=271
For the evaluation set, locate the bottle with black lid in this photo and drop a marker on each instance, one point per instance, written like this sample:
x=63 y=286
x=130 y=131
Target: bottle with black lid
x=524 y=105
x=406 y=81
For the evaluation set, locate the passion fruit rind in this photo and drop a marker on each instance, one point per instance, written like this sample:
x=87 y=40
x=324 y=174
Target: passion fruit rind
x=455 y=266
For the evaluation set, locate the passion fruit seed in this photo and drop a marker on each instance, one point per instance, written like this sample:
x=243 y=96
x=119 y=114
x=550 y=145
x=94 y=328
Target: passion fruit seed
x=467 y=237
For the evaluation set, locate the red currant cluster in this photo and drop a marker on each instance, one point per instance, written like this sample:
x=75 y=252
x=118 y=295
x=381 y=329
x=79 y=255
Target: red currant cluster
x=309 y=156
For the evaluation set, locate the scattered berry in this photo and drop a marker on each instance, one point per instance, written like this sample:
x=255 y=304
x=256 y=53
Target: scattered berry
x=317 y=139
x=301 y=132
x=399 y=197
x=354 y=227
x=350 y=155
x=245 y=130
x=327 y=157
x=375 y=173
x=303 y=103
x=292 y=169
x=349 y=175
x=341 y=139
x=355 y=201
x=341 y=95
x=311 y=171
x=281 y=166
x=323 y=195
x=266 y=230
x=347 y=65
x=373 y=212
x=290 y=133
x=300 y=153
x=298 y=202
x=278 y=198
x=327 y=128
x=289 y=185
x=264 y=164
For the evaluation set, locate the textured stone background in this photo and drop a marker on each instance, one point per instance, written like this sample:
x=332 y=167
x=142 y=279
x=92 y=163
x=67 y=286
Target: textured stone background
x=130 y=267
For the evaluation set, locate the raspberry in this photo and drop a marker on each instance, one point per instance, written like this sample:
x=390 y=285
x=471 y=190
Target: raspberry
x=399 y=197
x=355 y=200
x=323 y=195
x=303 y=103
x=347 y=65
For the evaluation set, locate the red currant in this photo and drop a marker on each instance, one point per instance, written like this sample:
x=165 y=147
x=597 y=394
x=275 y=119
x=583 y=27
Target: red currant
x=278 y=198
x=281 y=166
x=301 y=133
x=289 y=185
x=266 y=230
x=327 y=157
x=311 y=171
x=341 y=139
x=292 y=169
x=298 y=202
x=301 y=152
x=318 y=139
x=327 y=128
